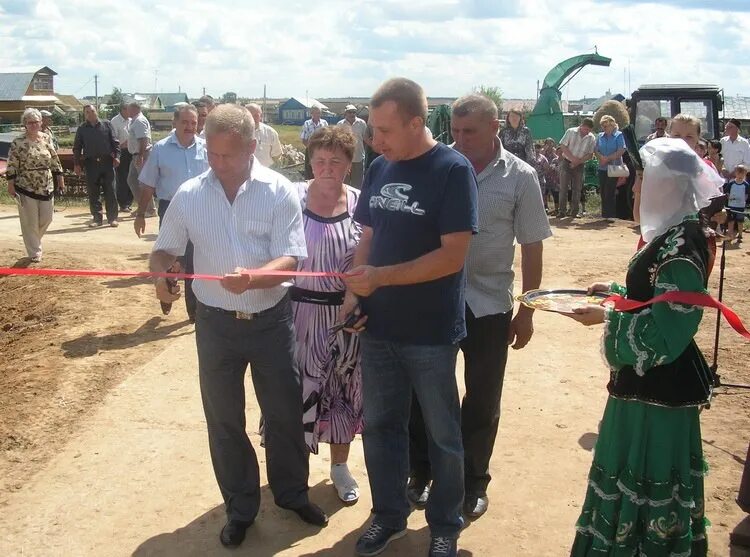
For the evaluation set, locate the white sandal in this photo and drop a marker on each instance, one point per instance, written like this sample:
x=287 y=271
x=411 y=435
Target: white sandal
x=346 y=486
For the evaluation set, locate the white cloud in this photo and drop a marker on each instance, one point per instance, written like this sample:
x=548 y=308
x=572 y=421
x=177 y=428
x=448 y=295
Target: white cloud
x=340 y=48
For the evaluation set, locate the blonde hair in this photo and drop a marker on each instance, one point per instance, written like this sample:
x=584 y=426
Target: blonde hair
x=688 y=119
x=610 y=119
x=231 y=118
x=30 y=113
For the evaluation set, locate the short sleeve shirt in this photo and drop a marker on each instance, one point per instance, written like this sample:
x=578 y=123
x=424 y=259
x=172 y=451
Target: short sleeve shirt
x=170 y=165
x=310 y=128
x=608 y=144
x=359 y=129
x=264 y=222
x=579 y=146
x=139 y=128
x=409 y=205
x=511 y=210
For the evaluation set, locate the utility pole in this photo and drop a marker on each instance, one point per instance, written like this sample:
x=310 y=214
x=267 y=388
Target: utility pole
x=156 y=81
x=204 y=91
x=264 y=98
x=96 y=91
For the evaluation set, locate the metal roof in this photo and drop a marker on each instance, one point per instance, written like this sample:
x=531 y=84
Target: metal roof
x=13 y=86
x=737 y=107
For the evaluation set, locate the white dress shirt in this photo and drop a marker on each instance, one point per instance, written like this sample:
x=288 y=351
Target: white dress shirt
x=262 y=224
x=120 y=126
x=735 y=152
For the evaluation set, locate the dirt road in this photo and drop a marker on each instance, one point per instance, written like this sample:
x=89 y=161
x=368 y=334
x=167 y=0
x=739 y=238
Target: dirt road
x=102 y=439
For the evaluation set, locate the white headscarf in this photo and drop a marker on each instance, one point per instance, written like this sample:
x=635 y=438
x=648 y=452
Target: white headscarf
x=676 y=183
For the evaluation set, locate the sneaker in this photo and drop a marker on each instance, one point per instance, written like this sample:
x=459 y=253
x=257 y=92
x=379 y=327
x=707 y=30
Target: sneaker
x=35 y=259
x=376 y=539
x=443 y=547
x=114 y=224
x=418 y=492
x=95 y=224
x=346 y=486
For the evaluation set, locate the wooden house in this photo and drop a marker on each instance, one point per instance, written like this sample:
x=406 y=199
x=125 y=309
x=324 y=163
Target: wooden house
x=29 y=89
x=296 y=110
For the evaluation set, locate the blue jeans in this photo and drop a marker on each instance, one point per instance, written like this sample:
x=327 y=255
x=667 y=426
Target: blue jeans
x=390 y=371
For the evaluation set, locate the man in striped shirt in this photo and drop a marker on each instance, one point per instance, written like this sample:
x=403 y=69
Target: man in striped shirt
x=511 y=209
x=242 y=216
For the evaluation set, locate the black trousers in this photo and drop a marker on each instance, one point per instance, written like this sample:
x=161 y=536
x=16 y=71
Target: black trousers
x=308 y=167
x=608 y=194
x=226 y=346
x=100 y=181
x=187 y=264
x=485 y=353
x=124 y=195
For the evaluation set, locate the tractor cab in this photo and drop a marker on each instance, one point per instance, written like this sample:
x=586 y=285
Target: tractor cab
x=651 y=101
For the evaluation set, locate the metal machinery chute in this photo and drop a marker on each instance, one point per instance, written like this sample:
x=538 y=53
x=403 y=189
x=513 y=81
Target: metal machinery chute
x=546 y=120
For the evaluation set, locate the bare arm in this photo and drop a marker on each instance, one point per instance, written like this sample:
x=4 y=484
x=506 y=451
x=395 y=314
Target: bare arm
x=240 y=281
x=159 y=262
x=446 y=260
x=522 y=326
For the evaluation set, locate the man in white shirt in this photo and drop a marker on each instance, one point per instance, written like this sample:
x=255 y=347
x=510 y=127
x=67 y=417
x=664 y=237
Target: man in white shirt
x=577 y=147
x=660 y=129
x=242 y=216
x=358 y=127
x=269 y=146
x=308 y=128
x=734 y=148
x=120 y=124
x=139 y=143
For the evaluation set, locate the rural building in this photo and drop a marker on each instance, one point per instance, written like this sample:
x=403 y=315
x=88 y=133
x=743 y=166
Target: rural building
x=297 y=109
x=30 y=89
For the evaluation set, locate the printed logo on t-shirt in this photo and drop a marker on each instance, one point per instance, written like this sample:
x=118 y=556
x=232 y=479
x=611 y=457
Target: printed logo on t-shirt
x=393 y=198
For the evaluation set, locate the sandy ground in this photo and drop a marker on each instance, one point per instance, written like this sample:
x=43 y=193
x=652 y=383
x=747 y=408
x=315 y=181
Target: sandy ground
x=103 y=447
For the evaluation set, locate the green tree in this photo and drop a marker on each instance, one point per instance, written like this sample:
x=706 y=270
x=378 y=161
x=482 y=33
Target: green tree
x=229 y=97
x=115 y=100
x=494 y=93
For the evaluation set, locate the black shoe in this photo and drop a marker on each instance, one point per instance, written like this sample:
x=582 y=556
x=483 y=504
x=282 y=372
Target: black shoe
x=475 y=505
x=312 y=514
x=418 y=492
x=233 y=532
x=376 y=539
x=443 y=547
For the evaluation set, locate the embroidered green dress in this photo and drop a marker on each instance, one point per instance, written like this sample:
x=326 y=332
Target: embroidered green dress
x=645 y=487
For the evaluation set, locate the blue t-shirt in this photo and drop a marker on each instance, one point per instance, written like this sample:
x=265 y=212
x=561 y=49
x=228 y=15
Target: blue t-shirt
x=608 y=144
x=409 y=205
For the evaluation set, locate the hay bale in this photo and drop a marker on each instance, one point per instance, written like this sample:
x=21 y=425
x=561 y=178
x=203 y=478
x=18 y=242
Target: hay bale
x=616 y=109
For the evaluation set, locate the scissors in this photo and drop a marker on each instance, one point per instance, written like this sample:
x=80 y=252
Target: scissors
x=351 y=319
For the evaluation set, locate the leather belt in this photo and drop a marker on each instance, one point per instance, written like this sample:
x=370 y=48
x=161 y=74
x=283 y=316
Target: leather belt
x=239 y=314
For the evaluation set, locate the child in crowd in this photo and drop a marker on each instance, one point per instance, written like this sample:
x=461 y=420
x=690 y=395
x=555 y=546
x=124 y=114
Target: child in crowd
x=540 y=164
x=714 y=155
x=552 y=177
x=738 y=191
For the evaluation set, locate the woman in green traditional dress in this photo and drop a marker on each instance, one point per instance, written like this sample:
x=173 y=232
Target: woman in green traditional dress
x=645 y=487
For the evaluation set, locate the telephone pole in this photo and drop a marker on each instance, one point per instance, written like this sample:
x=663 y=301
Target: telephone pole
x=96 y=91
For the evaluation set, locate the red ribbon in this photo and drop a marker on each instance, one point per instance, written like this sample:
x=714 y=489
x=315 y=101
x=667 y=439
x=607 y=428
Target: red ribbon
x=148 y=274
x=689 y=298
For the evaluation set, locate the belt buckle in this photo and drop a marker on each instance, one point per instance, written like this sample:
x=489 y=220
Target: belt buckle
x=243 y=315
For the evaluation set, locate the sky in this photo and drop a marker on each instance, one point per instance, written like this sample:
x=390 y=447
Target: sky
x=334 y=48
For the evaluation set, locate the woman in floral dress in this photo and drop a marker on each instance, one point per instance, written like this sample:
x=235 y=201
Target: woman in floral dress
x=32 y=173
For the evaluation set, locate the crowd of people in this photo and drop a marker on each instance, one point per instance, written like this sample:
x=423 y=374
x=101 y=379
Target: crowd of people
x=408 y=262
